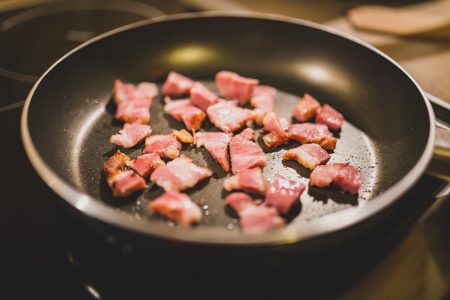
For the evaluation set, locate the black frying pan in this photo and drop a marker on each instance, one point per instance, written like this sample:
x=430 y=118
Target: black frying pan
x=389 y=133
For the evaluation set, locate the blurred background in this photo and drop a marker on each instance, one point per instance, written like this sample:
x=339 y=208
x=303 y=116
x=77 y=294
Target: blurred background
x=408 y=259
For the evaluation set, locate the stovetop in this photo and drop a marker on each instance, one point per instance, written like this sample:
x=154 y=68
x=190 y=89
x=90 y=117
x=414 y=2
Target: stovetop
x=47 y=254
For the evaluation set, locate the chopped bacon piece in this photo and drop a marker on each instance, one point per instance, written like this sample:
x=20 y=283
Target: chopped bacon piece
x=126 y=182
x=345 y=176
x=263 y=100
x=250 y=180
x=308 y=155
x=177 y=207
x=245 y=153
x=277 y=127
x=165 y=145
x=202 y=97
x=184 y=110
x=229 y=117
x=283 y=193
x=259 y=219
x=179 y=174
x=145 y=164
x=217 y=145
x=238 y=201
x=115 y=164
x=330 y=117
x=121 y=182
x=177 y=84
x=130 y=135
x=254 y=219
x=183 y=136
x=306 y=108
x=312 y=133
x=129 y=92
x=134 y=111
x=232 y=85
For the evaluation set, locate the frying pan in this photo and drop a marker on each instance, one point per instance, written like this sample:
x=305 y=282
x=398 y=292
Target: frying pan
x=388 y=134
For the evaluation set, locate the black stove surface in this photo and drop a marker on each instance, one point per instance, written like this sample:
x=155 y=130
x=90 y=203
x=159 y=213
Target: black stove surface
x=47 y=253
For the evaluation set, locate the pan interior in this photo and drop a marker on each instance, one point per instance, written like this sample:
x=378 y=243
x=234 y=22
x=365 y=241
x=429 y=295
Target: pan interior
x=387 y=128
x=92 y=148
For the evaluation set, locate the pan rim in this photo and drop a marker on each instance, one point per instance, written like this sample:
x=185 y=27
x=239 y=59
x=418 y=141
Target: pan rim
x=325 y=225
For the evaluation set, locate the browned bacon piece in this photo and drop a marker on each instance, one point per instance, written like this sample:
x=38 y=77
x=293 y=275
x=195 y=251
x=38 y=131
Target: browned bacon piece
x=179 y=174
x=183 y=136
x=229 y=117
x=277 y=127
x=245 y=153
x=130 y=135
x=233 y=86
x=164 y=145
x=177 y=84
x=115 y=164
x=263 y=100
x=202 y=97
x=283 y=193
x=184 y=110
x=177 y=207
x=122 y=183
x=145 y=164
x=306 y=108
x=308 y=155
x=312 y=133
x=344 y=176
x=330 y=117
x=250 y=180
x=217 y=145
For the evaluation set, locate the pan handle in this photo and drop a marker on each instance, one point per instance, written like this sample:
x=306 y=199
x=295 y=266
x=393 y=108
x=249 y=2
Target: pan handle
x=440 y=165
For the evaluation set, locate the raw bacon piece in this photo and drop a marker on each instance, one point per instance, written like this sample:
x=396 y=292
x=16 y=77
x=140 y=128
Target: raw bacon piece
x=228 y=117
x=308 y=155
x=283 y=193
x=129 y=92
x=330 y=117
x=250 y=180
x=202 y=97
x=145 y=164
x=245 y=153
x=233 y=86
x=184 y=110
x=134 y=111
x=345 y=176
x=217 y=145
x=164 y=145
x=115 y=164
x=126 y=182
x=177 y=207
x=179 y=174
x=277 y=127
x=263 y=100
x=306 y=108
x=177 y=84
x=238 y=201
x=183 y=136
x=259 y=219
x=312 y=133
x=130 y=135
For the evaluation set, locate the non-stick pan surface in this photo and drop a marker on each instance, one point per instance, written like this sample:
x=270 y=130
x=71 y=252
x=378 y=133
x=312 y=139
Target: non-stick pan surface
x=388 y=135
